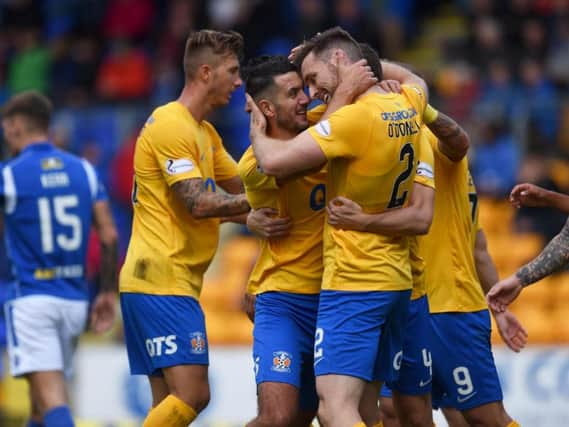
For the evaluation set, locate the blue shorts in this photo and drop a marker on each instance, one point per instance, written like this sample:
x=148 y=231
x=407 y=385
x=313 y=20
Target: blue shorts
x=464 y=372
x=283 y=346
x=162 y=331
x=360 y=334
x=416 y=374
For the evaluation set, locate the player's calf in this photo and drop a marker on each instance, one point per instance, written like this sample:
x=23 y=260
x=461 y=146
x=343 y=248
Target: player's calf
x=278 y=405
x=488 y=415
x=413 y=411
x=388 y=413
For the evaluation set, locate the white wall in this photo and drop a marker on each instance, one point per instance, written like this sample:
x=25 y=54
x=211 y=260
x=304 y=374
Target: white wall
x=535 y=383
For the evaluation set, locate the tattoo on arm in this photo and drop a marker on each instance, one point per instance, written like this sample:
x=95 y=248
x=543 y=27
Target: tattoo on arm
x=203 y=204
x=109 y=266
x=554 y=257
x=453 y=139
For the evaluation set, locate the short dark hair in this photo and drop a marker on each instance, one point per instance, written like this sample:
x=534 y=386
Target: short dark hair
x=219 y=43
x=323 y=42
x=260 y=72
x=34 y=106
x=372 y=58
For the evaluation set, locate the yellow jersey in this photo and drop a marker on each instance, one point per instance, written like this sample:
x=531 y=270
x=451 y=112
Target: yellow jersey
x=425 y=176
x=169 y=250
x=292 y=263
x=448 y=249
x=372 y=147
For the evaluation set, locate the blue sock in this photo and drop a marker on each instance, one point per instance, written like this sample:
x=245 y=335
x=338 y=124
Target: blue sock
x=59 y=416
x=32 y=423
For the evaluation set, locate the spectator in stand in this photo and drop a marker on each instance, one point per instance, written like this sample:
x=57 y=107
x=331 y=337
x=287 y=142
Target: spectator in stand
x=539 y=102
x=28 y=68
x=130 y=19
x=496 y=158
x=125 y=73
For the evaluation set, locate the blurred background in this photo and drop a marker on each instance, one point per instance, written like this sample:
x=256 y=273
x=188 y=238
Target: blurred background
x=500 y=68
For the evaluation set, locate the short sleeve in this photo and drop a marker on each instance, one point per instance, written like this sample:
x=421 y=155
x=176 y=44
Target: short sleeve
x=416 y=96
x=426 y=166
x=251 y=175
x=224 y=165
x=175 y=150
x=96 y=186
x=344 y=134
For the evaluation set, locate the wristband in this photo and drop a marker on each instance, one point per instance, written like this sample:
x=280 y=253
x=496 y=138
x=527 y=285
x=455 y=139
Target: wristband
x=430 y=114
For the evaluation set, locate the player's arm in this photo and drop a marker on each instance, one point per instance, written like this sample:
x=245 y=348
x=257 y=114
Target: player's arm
x=234 y=186
x=553 y=258
x=354 y=79
x=509 y=327
x=103 y=311
x=533 y=196
x=204 y=204
x=392 y=71
x=453 y=139
x=414 y=219
x=278 y=158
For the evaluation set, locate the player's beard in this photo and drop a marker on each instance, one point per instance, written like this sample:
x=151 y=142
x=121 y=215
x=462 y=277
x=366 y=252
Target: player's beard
x=290 y=122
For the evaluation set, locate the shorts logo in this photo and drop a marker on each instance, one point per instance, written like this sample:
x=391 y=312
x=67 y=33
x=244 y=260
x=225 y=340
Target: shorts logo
x=198 y=343
x=397 y=360
x=281 y=361
x=158 y=346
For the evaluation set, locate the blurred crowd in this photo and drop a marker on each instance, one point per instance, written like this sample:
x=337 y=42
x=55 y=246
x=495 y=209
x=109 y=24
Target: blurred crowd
x=501 y=68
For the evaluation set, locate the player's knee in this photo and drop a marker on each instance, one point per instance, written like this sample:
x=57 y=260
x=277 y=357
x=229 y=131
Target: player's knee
x=197 y=397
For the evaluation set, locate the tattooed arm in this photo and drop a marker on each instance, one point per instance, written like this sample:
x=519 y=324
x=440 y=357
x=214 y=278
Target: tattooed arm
x=103 y=311
x=554 y=257
x=203 y=204
x=232 y=185
x=453 y=140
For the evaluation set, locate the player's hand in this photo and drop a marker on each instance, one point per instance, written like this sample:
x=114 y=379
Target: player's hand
x=392 y=86
x=528 y=195
x=258 y=122
x=503 y=293
x=353 y=79
x=346 y=214
x=294 y=52
x=266 y=223
x=511 y=330
x=248 y=306
x=103 y=312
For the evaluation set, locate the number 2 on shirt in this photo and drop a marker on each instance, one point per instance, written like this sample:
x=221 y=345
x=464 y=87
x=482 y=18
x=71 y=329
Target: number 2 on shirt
x=407 y=154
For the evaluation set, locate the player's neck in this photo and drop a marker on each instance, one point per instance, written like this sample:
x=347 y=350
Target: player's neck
x=276 y=132
x=373 y=89
x=195 y=100
x=31 y=139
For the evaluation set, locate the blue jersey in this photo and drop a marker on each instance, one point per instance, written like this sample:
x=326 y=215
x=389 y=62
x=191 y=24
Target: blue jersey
x=48 y=197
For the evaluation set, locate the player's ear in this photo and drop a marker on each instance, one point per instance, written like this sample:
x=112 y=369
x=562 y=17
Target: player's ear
x=267 y=108
x=205 y=73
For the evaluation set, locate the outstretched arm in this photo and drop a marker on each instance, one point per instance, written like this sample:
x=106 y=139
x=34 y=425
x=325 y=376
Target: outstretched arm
x=413 y=219
x=554 y=257
x=533 y=196
x=204 y=204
